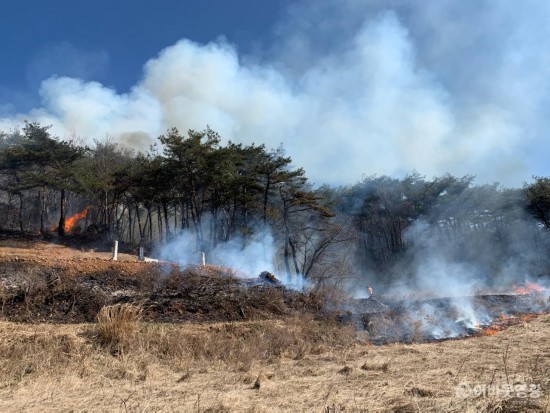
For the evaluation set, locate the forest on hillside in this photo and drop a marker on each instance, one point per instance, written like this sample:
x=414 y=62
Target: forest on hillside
x=381 y=228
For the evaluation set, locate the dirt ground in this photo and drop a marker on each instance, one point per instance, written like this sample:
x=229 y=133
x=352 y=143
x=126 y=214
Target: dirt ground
x=32 y=249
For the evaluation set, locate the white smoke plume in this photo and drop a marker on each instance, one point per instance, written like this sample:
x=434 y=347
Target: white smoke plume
x=247 y=257
x=381 y=87
x=442 y=268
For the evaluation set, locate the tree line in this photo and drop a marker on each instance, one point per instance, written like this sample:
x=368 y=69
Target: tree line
x=221 y=192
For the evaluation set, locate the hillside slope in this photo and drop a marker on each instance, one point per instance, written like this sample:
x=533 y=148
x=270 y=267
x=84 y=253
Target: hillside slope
x=45 y=282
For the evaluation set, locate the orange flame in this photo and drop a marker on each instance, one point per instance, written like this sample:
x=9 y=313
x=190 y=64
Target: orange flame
x=528 y=288
x=73 y=219
x=503 y=321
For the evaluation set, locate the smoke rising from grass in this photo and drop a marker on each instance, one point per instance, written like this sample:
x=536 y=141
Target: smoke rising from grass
x=471 y=263
x=373 y=87
x=247 y=257
x=461 y=240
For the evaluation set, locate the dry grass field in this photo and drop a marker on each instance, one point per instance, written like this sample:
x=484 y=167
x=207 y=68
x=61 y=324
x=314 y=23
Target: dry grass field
x=289 y=365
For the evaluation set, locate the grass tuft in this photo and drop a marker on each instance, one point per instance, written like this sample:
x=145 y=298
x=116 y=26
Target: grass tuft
x=117 y=325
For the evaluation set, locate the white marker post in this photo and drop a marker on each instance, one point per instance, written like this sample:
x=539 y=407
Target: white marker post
x=203 y=258
x=115 y=251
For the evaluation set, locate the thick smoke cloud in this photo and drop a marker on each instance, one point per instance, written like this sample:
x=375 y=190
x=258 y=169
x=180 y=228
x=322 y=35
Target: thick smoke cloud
x=354 y=87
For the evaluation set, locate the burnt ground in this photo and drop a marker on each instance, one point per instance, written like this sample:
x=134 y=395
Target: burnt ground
x=43 y=282
x=47 y=282
x=448 y=318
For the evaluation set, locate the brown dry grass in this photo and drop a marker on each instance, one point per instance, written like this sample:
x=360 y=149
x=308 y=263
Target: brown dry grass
x=297 y=364
x=117 y=325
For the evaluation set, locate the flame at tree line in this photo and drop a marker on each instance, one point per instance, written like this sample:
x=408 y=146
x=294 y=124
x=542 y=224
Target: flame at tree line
x=71 y=221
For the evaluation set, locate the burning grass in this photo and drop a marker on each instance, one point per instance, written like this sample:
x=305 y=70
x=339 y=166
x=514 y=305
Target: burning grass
x=504 y=321
x=428 y=320
x=529 y=288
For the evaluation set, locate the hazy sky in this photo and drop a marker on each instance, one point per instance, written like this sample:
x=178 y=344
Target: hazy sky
x=349 y=87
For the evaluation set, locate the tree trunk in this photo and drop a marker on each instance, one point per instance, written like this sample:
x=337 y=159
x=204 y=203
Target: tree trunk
x=159 y=223
x=61 y=226
x=87 y=219
x=104 y=205
x=150 y=219
x=166 y=219
x=287 y=260
x=287 y=240
x=197 y=225
x=266 y=197
x=175 y=219
x=130 y=225
x=43 y=210
x=8 y=211
x=141 y=230
x=294 y=256
x=21 y=227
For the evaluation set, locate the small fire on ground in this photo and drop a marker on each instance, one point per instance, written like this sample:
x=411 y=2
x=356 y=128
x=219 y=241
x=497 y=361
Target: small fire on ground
x=503 y=321
x=529 y=288
x=434 y=319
